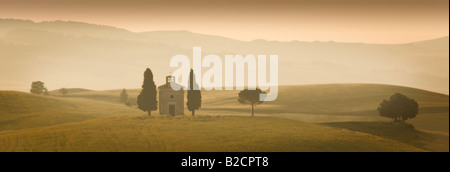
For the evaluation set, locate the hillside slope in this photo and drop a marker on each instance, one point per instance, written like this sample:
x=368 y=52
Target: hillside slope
x=95 y=121
x=189 y=134
x=317 y=103
x=23 y=110
x=343 y=99
x=70 y=90
x=349 y=99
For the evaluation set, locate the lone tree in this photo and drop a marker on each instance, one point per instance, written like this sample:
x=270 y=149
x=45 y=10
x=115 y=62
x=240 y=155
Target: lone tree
x=147 y=98
x=250 y=97
x=37 y=87
x=123 y=96
x=399 y=107
x=194 y=97
x=64 y=91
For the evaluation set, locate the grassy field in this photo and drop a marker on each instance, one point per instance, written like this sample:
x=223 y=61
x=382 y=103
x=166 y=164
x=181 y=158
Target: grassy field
x=304 y=118
x=317 y=103
x=203 y=133
x=22 y=110
x=427 y=140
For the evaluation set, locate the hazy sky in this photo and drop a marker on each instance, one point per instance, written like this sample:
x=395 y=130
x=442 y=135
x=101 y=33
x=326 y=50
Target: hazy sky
x=374 y=21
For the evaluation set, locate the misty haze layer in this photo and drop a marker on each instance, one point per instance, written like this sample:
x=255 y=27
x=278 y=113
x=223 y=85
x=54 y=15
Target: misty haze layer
x=372 y=21
x=71 y=54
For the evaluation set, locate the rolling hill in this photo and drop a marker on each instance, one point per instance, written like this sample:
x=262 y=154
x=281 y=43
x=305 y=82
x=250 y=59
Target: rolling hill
x=186 y=134
x=317 y=103
x=338 y=103
x=23 y=110
x=70 y=90
x=95 y=121
x=103 y=57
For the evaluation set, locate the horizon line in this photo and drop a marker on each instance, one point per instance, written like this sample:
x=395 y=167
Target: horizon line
x=281 y=85
x=236 y=39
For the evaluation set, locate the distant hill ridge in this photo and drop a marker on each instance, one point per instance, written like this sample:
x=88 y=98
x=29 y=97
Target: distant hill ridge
x=76 y=28
x=71 y=91
x=98 y=52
